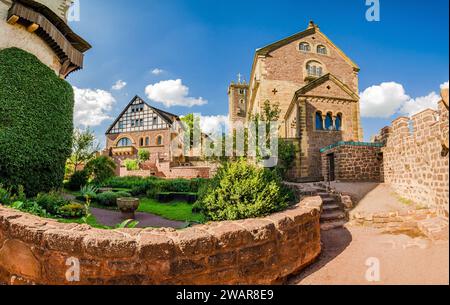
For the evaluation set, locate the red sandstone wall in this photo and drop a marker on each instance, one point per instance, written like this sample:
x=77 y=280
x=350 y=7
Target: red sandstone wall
x=417 y=161
x=253 y=251
x=354 y=163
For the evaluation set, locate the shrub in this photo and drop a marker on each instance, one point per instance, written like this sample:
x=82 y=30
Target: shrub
x=51 y=202
x=143 y=155
x=72 y=210
x=36 y=123
x=286 y=155
x=132 y=165
x=109 y=199
x=101 y=169
x=30 y=207
x=78 y=180
x=5 y=195
x=240 y=191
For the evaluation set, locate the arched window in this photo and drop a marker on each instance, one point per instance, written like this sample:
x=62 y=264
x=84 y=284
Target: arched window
x=124 y=142
x=321 y=50
x=159 y=140
x=319 y=121
x=329 y=122
x=141 y=142
x=314 y=69
x=338 y=122
x=147 y=141
x=305 y=47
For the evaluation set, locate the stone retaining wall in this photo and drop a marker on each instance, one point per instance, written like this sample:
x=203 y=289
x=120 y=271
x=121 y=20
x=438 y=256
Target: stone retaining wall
x=393 y=220
x=253 y=251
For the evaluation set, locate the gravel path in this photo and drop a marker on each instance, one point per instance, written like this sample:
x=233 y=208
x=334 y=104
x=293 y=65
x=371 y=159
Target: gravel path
x=403 y=259
x=113 y=218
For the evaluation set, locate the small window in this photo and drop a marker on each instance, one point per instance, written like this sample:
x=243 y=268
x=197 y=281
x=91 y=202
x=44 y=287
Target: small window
x=241 y=91
x=329 y=122
x=338 y=122
x=305 y=47
x=321 y=50
x=159 y=140
x=314 y=69
x=124 y=142
x=121 y=125
x=319 y=121
x=141 y=142
x=147 y=141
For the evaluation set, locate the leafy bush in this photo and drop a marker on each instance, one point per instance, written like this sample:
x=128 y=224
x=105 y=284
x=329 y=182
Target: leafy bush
x=101 y=169
x=72 y=210
x=109 y=199
x=30 y=207
x=125 y=182
x=286 y=155
x=143 y=155
x=132 y=165
x=240 y=190
x=78 y=179
x=5 y=195
x=36 y=123
x=51 y=202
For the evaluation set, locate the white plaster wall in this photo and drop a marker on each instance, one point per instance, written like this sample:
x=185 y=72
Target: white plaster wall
x=17 y=36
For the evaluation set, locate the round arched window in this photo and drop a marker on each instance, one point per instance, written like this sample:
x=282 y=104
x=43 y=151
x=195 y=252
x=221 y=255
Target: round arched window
x=314 y=68
x=124 y=142
x=321 y=50
x=305 y=47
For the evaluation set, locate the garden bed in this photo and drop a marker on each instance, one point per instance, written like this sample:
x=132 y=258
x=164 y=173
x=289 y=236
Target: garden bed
x=176 y=196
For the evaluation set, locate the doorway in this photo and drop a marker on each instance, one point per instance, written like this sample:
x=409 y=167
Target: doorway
x=331 y=168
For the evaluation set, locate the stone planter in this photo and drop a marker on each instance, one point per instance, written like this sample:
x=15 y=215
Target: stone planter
x=128 y=207
x=105 y=190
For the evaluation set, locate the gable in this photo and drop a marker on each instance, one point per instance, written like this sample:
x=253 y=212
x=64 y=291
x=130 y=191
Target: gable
x=139 y=116
x=328 y=86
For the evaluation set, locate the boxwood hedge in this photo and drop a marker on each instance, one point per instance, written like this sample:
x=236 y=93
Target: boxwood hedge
x=36 y=123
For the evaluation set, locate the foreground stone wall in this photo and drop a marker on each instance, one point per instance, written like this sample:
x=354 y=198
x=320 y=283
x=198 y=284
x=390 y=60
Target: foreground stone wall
x=253 y=251
x=353 y=163
x=416 y=157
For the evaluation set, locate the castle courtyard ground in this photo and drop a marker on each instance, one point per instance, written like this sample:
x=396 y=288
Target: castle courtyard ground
x=403 y=259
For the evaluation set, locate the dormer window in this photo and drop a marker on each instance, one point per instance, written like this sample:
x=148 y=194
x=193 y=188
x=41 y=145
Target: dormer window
x=305 y=47
x=314 y=69
x=322 y=50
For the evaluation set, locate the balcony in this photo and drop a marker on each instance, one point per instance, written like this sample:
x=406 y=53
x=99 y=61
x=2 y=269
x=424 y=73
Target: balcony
x=123 y=151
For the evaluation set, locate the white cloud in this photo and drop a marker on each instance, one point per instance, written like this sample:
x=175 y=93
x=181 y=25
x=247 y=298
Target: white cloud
x=214 y=124
x=419 y=104
x=172 y=93
x=157 y=71
x=92 y=106
x=444 y=85
x=119 y=85
x=382 y=101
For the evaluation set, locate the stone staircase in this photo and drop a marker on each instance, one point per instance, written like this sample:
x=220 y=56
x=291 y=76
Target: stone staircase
x=334 y=214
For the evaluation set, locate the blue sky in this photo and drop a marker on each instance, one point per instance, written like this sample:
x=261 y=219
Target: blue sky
x=206 y=43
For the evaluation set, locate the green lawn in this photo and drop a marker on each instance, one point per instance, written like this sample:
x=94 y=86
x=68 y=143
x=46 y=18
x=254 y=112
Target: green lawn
x=181 y=211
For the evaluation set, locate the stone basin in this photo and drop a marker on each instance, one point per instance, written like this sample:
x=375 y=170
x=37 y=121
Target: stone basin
x=128 y=206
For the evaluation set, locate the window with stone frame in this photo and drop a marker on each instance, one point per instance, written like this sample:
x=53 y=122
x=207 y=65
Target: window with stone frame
x=147 y=141
x=124 y=142
x=321 y=50
x=305 y=47
x=314 y=69
x=159 y=140
x=338 y=122
x=319 y=121
x=329 y=122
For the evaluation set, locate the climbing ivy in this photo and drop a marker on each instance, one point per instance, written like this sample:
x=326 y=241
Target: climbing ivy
x=36 y=123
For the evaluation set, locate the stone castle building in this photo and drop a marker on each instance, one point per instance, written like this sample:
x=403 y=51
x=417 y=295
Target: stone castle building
x=316 y=87
x=40 y=27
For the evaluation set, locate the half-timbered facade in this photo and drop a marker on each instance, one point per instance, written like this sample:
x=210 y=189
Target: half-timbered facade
x=141 y=126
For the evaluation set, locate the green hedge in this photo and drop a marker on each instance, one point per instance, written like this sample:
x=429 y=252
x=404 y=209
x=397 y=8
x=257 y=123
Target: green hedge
x=36 y=111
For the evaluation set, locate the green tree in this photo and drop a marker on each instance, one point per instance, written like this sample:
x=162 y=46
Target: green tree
x=101 y=168
x=143 y=155
x=84 y=148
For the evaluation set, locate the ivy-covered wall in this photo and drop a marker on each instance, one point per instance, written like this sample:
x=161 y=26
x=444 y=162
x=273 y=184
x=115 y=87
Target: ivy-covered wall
x=36 y=123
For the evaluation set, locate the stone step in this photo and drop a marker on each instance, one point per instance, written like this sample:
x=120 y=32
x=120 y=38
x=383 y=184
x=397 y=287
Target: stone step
x=328 y=201
x=330 y=216
x=332 y=225
x=332 y=207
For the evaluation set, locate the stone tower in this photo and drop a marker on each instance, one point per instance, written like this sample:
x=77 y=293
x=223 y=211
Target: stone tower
x=237 y=100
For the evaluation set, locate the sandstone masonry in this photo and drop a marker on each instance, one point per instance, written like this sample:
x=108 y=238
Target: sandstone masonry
x=252 y=251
